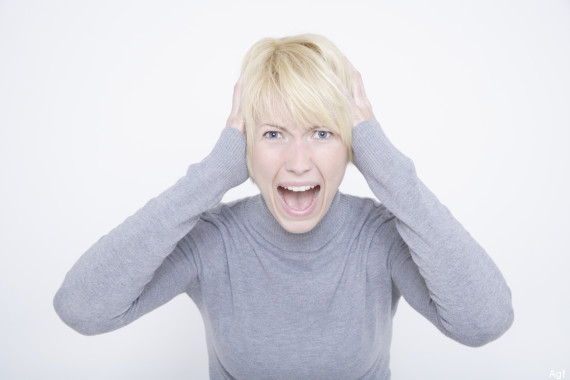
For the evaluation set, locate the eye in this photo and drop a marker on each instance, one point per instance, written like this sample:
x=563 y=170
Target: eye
x=272 y=135
x=322 y=135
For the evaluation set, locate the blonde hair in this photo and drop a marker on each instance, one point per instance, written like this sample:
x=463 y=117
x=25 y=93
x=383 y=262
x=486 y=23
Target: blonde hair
x=299 y=74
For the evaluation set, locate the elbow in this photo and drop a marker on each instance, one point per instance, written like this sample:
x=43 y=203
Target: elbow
x=74 y=316
x=487 y=327
x=490 y=332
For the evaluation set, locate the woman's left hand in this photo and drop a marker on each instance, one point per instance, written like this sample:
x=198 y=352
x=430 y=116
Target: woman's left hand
x=361 y=107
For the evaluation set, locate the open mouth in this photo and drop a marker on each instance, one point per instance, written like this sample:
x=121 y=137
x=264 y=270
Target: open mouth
x=299 y=200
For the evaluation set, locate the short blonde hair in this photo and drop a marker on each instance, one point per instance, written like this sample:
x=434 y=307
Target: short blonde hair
x=299 y=74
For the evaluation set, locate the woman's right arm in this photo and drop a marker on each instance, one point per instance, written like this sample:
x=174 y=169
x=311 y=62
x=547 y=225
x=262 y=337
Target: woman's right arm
x=138 y=265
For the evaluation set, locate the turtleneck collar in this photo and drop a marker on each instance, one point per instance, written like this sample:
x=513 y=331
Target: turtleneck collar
x=269 y=229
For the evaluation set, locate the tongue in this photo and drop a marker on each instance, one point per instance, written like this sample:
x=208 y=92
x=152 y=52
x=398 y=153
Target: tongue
x=298 y=200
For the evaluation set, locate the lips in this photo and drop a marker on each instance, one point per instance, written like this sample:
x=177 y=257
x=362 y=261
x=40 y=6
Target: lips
x=299 y=200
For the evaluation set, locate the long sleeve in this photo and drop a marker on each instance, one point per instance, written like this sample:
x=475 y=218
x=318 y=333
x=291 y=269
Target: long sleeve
x=439 y=269
x=137 y=266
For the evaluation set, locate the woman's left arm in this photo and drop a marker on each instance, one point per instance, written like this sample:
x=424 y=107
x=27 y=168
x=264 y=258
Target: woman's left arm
x=441 y=270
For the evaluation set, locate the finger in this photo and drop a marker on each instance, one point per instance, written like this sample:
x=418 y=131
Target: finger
x=363 y=107
x=358 y=86
x=236 y=101
x=236 y=119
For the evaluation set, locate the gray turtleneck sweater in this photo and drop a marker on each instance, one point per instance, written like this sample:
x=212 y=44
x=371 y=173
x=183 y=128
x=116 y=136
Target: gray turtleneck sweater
x=276 y=305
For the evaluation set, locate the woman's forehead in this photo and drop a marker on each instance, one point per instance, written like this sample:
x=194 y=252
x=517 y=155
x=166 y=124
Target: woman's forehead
x=278 y=116
x=283 y=123
x=281 y=117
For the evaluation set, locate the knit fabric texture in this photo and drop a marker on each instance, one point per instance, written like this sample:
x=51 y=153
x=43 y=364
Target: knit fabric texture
x=278 y=305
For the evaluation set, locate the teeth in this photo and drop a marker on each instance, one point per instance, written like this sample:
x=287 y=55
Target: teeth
x=299 y=188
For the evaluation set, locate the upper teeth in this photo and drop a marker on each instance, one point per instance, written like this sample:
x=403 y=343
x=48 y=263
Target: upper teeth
x=299 y=188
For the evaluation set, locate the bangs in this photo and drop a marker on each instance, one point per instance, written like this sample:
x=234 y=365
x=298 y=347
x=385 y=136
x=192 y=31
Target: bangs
x=300 y=83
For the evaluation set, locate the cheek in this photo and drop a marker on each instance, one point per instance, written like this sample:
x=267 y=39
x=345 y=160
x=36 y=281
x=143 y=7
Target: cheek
x=336 y=173
x=334 y=163
x=265 y=165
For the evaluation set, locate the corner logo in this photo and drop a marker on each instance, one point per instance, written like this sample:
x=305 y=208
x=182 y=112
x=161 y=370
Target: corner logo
x=557 y=374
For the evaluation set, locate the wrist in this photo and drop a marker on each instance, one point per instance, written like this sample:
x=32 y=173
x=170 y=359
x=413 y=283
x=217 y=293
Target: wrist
x=372 y=149
x=226 y=162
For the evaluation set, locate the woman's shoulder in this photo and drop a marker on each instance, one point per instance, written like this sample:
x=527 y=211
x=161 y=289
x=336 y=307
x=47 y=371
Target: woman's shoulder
x=370 y=217
x=224 y=219
x=374 y=224
x=232 y=208
x=368 y=209
x=230 y=215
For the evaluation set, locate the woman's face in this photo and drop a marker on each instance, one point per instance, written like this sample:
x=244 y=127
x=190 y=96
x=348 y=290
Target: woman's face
x=297 y=170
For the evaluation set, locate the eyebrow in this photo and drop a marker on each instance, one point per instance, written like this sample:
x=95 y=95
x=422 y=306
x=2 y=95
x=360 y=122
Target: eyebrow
x=271 y=125
x=313 y=128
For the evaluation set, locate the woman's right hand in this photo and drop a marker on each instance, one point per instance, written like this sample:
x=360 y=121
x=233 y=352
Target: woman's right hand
x=236 y=120
x=361 y=107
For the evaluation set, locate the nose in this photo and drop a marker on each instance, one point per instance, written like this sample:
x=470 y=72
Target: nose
x=299 y=158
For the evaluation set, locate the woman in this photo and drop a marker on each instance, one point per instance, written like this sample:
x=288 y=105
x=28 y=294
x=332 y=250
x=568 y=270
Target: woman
x=301 y=281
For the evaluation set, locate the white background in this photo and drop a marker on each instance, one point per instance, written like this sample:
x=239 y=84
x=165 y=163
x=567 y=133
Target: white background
x=103 y=104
